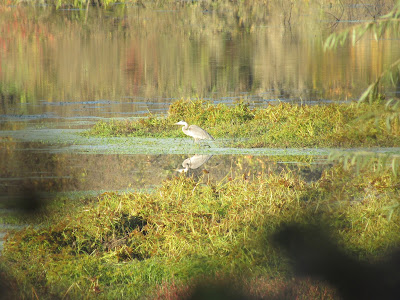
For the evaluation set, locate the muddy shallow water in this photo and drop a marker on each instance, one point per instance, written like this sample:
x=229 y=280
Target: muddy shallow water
x=59 y=159
x=64 y=160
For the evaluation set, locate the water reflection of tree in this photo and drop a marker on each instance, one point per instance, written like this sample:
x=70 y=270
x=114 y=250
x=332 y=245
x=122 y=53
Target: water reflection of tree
x=194 y=50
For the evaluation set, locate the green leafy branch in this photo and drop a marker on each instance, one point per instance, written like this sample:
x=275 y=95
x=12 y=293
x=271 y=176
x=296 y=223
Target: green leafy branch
x=391 y=110
x=361 y=160
x=378 y=28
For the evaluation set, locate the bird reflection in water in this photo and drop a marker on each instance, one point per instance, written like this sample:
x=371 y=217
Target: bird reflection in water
x=194 y=162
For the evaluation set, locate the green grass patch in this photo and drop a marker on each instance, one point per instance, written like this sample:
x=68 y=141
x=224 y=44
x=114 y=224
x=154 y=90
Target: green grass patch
x=136 y=245
x=277 y=126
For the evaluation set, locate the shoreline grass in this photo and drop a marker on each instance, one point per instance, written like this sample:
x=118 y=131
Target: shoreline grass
x=277 y=126
x=138 y=245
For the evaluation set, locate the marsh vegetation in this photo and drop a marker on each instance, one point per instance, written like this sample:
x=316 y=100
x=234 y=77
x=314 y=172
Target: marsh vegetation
x=117 y=224
x=156 y=244
x=282 y=125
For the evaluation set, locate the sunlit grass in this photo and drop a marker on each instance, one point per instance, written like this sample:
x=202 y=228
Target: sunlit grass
x=282 y=125
x=133 y=244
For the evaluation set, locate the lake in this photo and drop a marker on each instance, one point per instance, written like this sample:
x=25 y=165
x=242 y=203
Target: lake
x=63 y=70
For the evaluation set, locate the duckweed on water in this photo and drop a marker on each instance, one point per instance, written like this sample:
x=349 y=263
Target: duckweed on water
x=139 y=245
x=282 y=125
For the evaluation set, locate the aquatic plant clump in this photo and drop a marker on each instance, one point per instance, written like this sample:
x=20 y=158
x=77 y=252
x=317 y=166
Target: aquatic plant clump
x=282 y=125
x=143 y=244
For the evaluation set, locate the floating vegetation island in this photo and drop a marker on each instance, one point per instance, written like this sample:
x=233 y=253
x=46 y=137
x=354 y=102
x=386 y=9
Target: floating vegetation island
x=277 y=126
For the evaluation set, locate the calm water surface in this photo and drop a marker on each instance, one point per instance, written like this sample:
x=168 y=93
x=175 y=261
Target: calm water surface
x=62 y=66
x=67 y=69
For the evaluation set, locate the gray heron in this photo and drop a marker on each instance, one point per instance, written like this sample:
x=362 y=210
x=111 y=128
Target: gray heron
x=195 y=131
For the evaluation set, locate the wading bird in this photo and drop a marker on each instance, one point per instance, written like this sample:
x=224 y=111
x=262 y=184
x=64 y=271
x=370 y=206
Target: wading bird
x=195 y=131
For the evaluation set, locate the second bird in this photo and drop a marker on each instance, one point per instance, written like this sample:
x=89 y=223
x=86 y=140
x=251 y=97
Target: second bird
x=195 y=131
